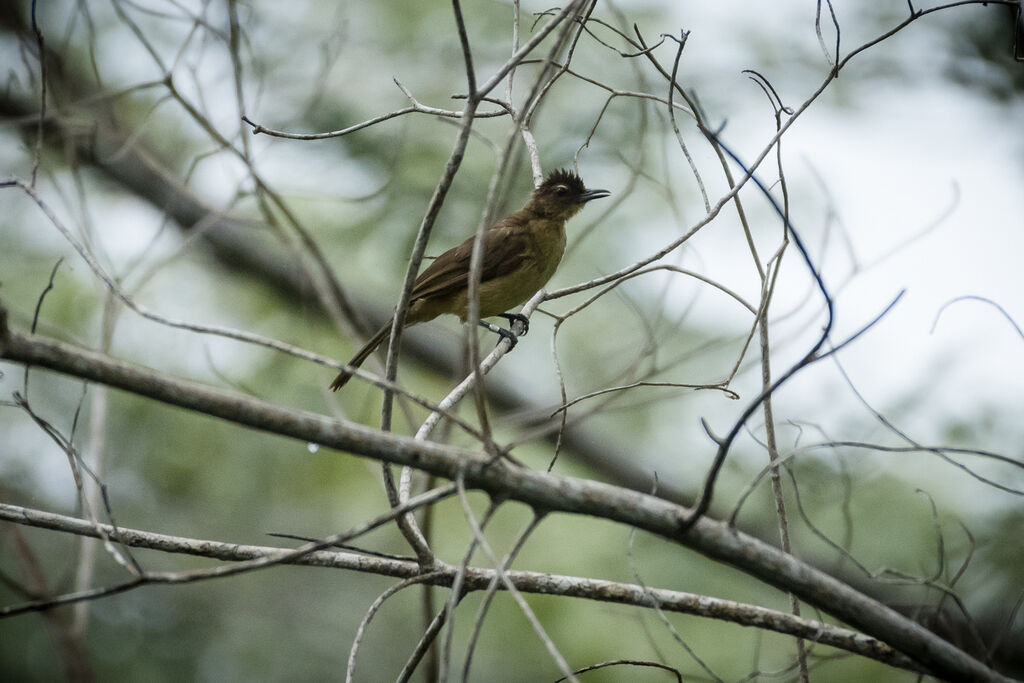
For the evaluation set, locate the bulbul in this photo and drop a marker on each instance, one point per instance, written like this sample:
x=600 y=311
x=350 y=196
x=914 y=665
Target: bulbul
x=521 y=253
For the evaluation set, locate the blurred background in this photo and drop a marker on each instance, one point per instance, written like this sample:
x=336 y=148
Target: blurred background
x=903 y=176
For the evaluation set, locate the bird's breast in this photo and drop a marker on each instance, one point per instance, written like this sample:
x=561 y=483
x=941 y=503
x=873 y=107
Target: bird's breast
x=542 y=254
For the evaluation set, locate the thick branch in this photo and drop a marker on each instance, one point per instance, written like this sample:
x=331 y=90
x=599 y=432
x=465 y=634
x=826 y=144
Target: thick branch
x=539 y=490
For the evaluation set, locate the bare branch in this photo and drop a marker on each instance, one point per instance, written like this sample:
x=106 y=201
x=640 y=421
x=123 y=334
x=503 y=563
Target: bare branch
x=546 y=491
x=483 y=579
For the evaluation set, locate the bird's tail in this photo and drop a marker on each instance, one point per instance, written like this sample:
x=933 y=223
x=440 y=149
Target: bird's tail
x=364 y=353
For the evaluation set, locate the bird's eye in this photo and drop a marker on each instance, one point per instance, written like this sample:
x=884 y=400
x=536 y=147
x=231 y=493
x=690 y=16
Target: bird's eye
x=561 y=190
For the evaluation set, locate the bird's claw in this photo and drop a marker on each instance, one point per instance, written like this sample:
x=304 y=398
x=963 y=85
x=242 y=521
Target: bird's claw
x=503 y=333
x=508 y=334
x=513 y=317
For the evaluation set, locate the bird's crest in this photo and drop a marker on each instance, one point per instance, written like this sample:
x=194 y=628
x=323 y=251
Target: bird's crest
x=564 y=177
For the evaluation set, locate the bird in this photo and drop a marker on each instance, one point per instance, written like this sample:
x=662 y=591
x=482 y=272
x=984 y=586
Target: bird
x=521 y=252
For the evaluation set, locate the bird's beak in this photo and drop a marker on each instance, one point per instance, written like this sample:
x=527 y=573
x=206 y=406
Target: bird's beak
x=593 y=194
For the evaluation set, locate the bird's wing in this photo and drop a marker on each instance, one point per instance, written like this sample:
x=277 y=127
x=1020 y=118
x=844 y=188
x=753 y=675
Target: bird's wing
x=504 y=250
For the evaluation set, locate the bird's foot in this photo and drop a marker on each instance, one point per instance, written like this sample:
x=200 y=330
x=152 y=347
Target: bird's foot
x=502 y=332
x=513 y=317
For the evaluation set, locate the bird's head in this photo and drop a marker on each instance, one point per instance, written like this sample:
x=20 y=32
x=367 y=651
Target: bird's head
x=561 y=195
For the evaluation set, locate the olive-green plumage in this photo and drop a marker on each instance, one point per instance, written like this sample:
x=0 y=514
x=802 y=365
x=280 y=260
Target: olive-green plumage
x=521 y=253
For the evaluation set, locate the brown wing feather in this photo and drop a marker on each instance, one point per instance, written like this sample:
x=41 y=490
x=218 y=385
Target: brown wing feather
x=504 y=249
